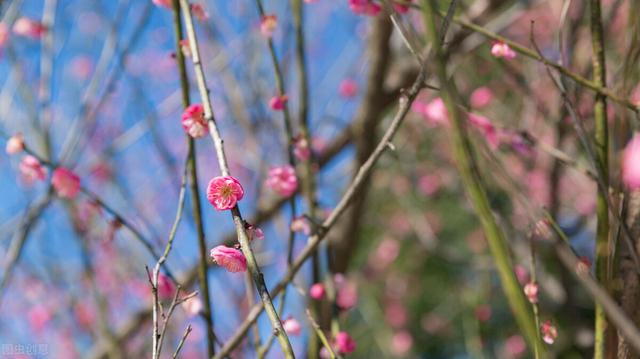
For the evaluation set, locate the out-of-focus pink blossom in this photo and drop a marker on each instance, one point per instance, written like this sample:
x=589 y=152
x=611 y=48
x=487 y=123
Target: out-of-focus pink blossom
x=401 y=343
x=81 y=67
x=481 y=97
x=515 y=346
x=39 y=316
x=84 y=314
x=163 y=3
x=15 y=144
x=198 y=10
x=230 y=258
x=29 y=28
x=347 y=292
x=277 y=102
x=317 y=291
x=254 y=232
x=301 y=225
x=224 y=192
x=583 y=266
x=386 y=252
x=192 y=306
x=486 y=128
x=282 y=180
x=522 y=274
x=4 y=34
x=483 y=312
x=364 y=7
x=631 y=163
x=268 y=24
x=193 y=121
x=531 y=291
x=396 y=314
x=166 y=288
x=502 y=50
x=429 y=184
x=185 y=48
x=402 y=7
x=635 y=94
x=344 y=343
x=301 y=149
x=65 y=182
x=32 y=170
x=291 y=326
x=549 y=332
x=434 y=112
x=348 y=88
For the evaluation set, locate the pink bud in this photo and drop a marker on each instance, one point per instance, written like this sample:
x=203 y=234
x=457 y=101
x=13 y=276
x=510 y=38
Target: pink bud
x=29 y=28
x=282 y=180
x=344 y=343
x=531 y=291
x=230 y=258
x=301 y=149
x=631 y=163
x=277 y=102
x=522 y=274
x=31 y=170
x=224 y=192
x=199 y=12
x=193 y=121
x=348 y=88
x=65 y=182
x=292 y=327
x=301 y=225
x=254 y=232
x=166 y=288
x=317 y=291
x=15 y=144
x=549 y=332
x=268 y=24
x=502 y=50
x=364 y=7
x=481 y=97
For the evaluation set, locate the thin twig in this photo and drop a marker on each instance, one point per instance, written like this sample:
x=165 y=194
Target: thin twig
x=181 y=343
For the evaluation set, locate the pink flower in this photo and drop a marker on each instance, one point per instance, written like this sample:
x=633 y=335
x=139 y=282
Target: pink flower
x=401 y=343
x=402 y=7
x=230 y=258
x=502 y=50
x=631 y=163
x=32 y=170
x=344 y=343
x=531 y=291
x=549 y=332
x=364 y=7
x=348 y=88
x=4 y=34
x=522 y=274
x=192 y=306
x=291 y=326
x=224 y=192
x=481 y=97
x=301 y=149
x=277 y=102
x=39 y=316
x=65 y=182
x=283 y=180
x=15 y=144
x=199 y=12
x=347 y=293
x=29 y=28
x=429 y=184
x=300 y=225
x=483 y=312
x=386 y=252
x=193 y=121
x=486 y=128
x=186 y=51
x=396 y=314
x=166 y=288
x=317 y=291
x=268 y=24
x=163 y=3
x=434 y=112
x=254 y=232
x=515 y=346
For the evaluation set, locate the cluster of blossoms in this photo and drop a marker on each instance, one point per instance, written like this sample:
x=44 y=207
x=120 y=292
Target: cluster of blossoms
x=502 y=50
x=549 y=332
x=193 y=121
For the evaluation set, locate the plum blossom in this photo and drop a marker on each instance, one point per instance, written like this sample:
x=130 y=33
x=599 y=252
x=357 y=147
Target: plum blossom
x=29 y=28
x=549 y=332
x=348 y=88
x=277 y=102
x=230 y=258
x=282 y=180
x=193 y=121
x=347 y=292
x=631 y=163
x=317 y=291
x=15 y=144
x=401 y=7
x=301 y=225
x=502 y=50
x=531 y=291
x=364 y=7
x=301 y=148
x=291 y=326
x=434 y=112
x=192 y=306
x=39 y=316
x=481 y=97
x=268 y=24
x=32 y=170
x=163 y=3
x=254 y=232
x=224 y=192
x=198 y=10
x=4 y=34
x=65 y=182
x=486 y=128
x=166 y=288
x=344 y=343
x=515 y=346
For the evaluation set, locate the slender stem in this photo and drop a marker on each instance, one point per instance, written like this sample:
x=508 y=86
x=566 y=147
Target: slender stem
x=252 y=264
x=603 y=250
x=184 y=338
x=471 y=178
x=193 y=185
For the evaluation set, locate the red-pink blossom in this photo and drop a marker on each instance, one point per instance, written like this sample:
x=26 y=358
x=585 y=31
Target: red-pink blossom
x=254 y=232
x=434 y=112
x=32 y=170
x=291 y=326
x=165 y=286
x=486 y=128
x=198 y=10
x=283 y=180
x=344 y=343
x=481 y=97
x=15 y=144
x=531 y=291
x=347 y=292
x=65 y=182
x=429 y=184
x=29 y=28
x=4 y=34
x=163 y=3
x=364 y=7
x=317 y=291
x=515 y=346
x=193 y=121
x=268 y=24
x=39 y=316
x=301 y=225
x=224 y=192
x=348 y=88
x=631 y=163
x=502 y=50
x=396 y=314
x=230 y=258
x=549 y=332
x=401 y=343
x=277 y=102
x=301 y=149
